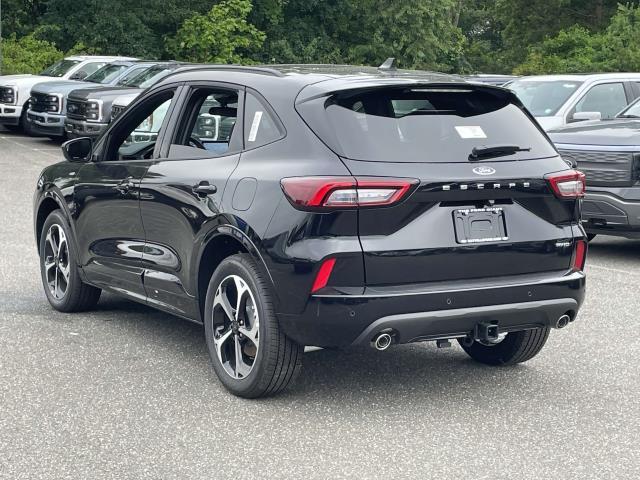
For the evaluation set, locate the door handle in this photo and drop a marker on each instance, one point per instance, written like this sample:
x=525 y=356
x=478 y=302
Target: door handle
x=125 y=185
x=204 y=188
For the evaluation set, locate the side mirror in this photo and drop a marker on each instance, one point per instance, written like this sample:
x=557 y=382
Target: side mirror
x=77 y=150
x=79 y=75
x=582 y=116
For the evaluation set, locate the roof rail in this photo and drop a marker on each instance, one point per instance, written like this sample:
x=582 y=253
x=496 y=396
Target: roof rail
x=236 y=68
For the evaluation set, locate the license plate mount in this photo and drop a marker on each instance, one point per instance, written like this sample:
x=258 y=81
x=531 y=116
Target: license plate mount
x=480 y=225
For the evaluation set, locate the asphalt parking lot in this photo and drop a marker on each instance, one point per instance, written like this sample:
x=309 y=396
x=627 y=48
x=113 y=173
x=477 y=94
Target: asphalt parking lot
x=127 y=392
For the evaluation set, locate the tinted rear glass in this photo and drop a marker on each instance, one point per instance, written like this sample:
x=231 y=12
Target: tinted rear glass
x=424 y=125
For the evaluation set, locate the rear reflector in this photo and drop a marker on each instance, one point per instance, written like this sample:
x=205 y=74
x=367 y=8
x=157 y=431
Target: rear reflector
x=567 y=185
x=322 y=278
x=345 y=192
x=579 y=255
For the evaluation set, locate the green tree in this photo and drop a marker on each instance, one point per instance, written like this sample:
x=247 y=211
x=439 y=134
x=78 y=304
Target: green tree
x=577 y=50
x=223 y=35
x=527 y=23
x=420 y=34
x=574 y=50
x=21 y=17
x=27 y=54
x=116 y=26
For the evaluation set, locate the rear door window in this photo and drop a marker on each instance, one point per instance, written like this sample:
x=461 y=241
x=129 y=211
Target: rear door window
x=429 y=124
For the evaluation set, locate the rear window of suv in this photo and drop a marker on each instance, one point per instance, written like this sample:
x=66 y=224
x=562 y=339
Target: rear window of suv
x=427 y=124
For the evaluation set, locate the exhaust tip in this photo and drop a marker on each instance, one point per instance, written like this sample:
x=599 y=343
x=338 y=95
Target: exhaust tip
x=563 y=321
x=382 y=341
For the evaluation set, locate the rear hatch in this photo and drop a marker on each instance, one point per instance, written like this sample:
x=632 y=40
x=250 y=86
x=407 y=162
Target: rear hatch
x=489 y=214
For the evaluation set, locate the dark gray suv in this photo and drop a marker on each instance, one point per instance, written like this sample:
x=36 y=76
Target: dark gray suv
x=608 y=152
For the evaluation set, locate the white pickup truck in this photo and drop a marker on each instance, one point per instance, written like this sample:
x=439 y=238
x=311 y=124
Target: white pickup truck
x=15 y=90
x=557 y=100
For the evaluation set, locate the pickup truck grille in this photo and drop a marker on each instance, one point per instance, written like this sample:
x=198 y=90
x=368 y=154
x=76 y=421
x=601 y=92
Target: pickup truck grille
x=41 y=102
x=116 y=110
x=603 y=168
x=76 y=109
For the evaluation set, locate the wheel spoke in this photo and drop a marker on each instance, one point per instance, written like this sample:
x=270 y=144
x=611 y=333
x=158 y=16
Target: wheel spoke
x=62 y=244
x=64 y=270
x=222 y=300
x=239 y=361
x=49 y=263
x=220 y=341
x=241 y=289
x=52 y=241
x=55 y=284
x=250 y=334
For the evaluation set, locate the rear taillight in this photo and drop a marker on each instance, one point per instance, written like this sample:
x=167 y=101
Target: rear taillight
x=567 y=185
x=579 y=255
x=345 y=192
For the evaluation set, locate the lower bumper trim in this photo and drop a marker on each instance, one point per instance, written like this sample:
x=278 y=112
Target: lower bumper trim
x=459 y=322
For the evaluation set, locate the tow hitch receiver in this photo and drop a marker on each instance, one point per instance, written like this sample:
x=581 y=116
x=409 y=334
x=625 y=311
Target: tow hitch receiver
x=486 y=331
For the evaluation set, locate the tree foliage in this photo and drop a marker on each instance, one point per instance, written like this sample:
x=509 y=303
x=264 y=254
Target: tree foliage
x=466 y=36
x=27 y=54
x=576 y=49
x=222 y=35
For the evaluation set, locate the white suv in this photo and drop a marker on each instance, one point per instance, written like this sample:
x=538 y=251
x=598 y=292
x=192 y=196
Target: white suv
x=557 y=100
x=15 y=90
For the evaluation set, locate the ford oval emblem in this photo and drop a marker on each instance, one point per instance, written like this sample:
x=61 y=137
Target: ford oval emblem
x=484 y=171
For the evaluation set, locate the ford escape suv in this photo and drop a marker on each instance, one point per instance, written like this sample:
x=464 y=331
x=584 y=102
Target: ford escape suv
x=340 y=207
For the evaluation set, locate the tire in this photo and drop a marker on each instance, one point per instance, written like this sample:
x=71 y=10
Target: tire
x=517 y=347
x=59 y=271
x=25 y=126
x=269 y=360
x=591 y=236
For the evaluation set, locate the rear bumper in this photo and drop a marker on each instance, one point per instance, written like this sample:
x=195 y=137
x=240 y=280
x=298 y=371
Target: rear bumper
x=81 y=128
x=48 y=124
x=614 y=211
x=10 y=114
x=423 y=312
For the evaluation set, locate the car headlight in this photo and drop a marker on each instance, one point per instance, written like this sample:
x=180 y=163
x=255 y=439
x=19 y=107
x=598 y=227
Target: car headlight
x=94 y=110
x=8 y=95
x=52 y=98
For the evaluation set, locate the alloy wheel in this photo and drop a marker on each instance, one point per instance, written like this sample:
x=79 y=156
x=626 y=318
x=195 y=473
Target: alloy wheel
x=235 y=325
x=56 y=261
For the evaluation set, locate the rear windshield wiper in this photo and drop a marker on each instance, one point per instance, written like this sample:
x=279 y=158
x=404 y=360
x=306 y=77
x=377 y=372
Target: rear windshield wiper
x=488 y=151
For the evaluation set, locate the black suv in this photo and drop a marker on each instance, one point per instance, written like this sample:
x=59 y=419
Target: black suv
x=341 y=206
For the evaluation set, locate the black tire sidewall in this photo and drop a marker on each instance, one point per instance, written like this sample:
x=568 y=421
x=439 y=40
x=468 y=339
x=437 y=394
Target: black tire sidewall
x=63 y=304
x=25 y=125
x=241 y=266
